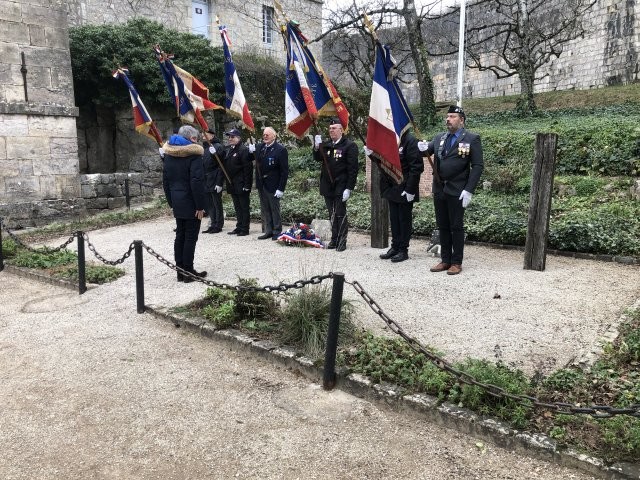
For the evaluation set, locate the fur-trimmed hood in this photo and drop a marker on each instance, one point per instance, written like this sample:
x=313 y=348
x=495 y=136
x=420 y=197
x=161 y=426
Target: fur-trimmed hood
x=183 y=151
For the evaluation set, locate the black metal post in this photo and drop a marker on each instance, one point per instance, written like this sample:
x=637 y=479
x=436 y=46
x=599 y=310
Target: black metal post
x=1 y=254
x=82 y=273
x=137 y=249
x=329 y=377
x=127 y=196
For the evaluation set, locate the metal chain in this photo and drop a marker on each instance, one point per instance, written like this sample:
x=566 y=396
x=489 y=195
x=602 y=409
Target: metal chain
x=598 y=411
x=126 y=255
x=45 y=250
x=281 y=287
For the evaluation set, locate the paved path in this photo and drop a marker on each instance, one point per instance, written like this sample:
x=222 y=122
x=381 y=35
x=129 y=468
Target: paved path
x=91 y=390
x=541 y=322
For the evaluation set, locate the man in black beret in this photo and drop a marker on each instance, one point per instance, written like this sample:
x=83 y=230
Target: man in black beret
x=339 y=158
x=238 y=166
x=457 y=167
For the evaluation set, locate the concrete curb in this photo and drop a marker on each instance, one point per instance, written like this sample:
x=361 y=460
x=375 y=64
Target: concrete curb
x=41 y=277
x=445 y=414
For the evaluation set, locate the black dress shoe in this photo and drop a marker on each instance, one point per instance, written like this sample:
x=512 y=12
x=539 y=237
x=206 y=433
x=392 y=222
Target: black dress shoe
x=216 y=230
x=242 y=234
x=341 y=248
x=264 y=236
x=390 y=253
x=180 y=277
x=276 y=236
x=233 y=232
x=208 y=230
x=400 y=257
x=188 y=279
x=331 y=245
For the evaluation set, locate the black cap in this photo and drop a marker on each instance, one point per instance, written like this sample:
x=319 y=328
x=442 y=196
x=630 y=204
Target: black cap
x=234 y=132
x=456 y=109
x=211 y=131
x=334 y=120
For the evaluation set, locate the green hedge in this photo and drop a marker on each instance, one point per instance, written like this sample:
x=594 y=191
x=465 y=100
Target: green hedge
x=604 y=141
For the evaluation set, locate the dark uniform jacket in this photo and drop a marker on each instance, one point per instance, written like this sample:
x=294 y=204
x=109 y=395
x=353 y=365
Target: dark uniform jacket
x=343 y=165
x=212 y=172
x=183 y=178
x=460 y=168
x=272 y=167
x=238 y=166
x=412 y=167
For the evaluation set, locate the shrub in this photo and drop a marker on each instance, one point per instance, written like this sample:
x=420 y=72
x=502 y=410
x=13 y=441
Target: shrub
x=305 y=319
x=476 y=398
x=97 y=274
x=44 y=258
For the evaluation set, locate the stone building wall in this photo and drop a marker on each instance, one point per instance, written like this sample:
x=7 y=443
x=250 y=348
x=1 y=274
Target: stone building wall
x=608 y=55
x=244 y=19
x=38 y=138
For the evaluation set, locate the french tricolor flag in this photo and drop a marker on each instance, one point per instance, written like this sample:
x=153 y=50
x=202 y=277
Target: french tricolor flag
x=389 y=115
x=235 y=101
x=141 y=118
x=300 y=108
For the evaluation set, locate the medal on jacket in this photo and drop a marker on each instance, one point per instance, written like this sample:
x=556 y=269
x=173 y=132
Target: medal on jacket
x=337 y=154
x=464 y=149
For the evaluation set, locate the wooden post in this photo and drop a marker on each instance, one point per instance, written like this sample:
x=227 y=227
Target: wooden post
x=379 y=211
x=535 y=249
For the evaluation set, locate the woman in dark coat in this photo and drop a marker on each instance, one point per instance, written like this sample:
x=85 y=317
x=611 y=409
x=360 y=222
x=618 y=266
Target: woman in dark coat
x=183 y=182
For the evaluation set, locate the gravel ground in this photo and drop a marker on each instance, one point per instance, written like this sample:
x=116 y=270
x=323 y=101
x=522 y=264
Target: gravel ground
x=542 y=320
x=92 y=390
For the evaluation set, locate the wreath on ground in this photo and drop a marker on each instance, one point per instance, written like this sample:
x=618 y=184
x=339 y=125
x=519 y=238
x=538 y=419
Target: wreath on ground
x=301 y=234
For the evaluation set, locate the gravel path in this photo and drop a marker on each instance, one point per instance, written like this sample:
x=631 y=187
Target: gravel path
x=542 y=320
x=92 y=390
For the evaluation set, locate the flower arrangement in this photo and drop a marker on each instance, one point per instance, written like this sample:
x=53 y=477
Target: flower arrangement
x=301 y=234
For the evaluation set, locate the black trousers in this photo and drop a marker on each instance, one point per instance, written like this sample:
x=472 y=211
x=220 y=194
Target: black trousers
x=184 y=246
x=241 y=205
x=338 y=216
x=450 y=220
x=214 y=210
x=401 y=220
x=270 y=212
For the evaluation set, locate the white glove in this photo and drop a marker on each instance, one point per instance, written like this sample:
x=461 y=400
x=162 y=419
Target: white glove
x=410 y=196
x=346 y=194
x=278 y=194
x=423 y=145
x=466 y=198
x=317 y=140
x=367 y=151
x=246 y=190
x=252 y=147
x=218 y=188
x=161 y=152
x=212 y=150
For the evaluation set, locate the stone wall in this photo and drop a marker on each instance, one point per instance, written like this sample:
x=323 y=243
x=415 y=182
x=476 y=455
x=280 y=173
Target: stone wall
x=38 y=142
x=102 y=192
x=608 y=55
x=244 y=19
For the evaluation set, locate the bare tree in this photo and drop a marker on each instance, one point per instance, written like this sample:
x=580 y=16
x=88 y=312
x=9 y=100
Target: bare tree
x=399 y=25
x=517 y=37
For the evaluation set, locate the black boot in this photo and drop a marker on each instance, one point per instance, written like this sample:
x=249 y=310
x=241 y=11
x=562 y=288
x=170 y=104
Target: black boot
x=180 y=275
x=189 y=279
x=390 y=253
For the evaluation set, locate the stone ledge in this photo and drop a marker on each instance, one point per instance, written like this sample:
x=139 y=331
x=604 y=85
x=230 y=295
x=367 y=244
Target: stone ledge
x=445 y=414
x=39 y=277
x=39 y=109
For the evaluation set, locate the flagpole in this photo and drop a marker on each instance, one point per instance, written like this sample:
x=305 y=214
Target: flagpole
x=461 y=52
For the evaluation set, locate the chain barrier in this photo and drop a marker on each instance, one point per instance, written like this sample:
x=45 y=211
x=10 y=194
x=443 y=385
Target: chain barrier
x=45 y=250
x=281 y=287
x=126 y=255
x=597 y=411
